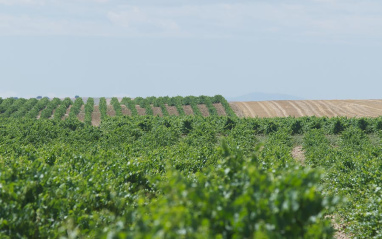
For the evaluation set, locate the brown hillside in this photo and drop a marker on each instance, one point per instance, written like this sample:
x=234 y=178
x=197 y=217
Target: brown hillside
x=299 y=108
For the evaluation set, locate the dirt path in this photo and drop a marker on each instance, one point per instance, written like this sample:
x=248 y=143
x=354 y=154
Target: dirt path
x=141 y=111
x=157 y=111
x=188 y=110
x=81 y=115
x=125 y=110
x=96 y=116
x=204 y=110
x=66 y=115
x=339 y=227
x=54 y=110
x=220 y=109
x=39 y=114
x=110 y=111
x=298 y=154
x=172 y=110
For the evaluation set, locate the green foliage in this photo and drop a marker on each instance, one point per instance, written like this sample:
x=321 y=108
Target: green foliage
x=177 y=101
x=18 y=108
x=47 y=112
x=146 y=104
x=41 y=104
x=5 y=104
x=353 y=171
x=378 y=124
x=118 y=180
x=76 y=107
x=117 y=106
x=130 y=105
x=103 y=108
x=296 y=127
x=229 y=124
x=184 y=177
x=207 y=101
x=224 y=102
x=161 y=102
x=193 y=102
x=270 y=127
x=11 y=109
x=337 y=127
x=23 y=109
x=61 y=110
x=89 y=107
x=235 y=199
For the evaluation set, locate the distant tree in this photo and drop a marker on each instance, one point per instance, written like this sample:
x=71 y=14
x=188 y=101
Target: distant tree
x=39 y=97
x=77 y=96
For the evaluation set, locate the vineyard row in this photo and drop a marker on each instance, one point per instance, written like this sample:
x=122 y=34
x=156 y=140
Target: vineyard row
x=161 y=106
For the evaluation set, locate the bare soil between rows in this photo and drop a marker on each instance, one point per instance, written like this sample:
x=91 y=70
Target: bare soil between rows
x=157 y=111
x=299 y=155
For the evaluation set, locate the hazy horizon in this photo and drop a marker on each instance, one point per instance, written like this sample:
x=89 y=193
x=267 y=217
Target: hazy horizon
x=312 y=49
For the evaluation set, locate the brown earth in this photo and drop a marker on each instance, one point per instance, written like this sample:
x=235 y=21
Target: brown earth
x=188 y=110
x=96 y=116
x=81 y=115
x=157 y=111
x=141 y=111
x=204 y=110
x=220 y=109
x=39 y=114
x=125 y=110
x=299 y=108
x=298 y=154
x=172 y=110
x=339 y=226
x=236 y=109
x=110 y=110
x=54 y=110
x=66 y=115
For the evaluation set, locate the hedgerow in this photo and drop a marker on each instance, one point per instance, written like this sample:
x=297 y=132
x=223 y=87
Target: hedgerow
x=41 y=104
x=76 y=107
x=89 y=107
x=117 y=106
x=47 y=112
x=103 y=108
x=61 y=110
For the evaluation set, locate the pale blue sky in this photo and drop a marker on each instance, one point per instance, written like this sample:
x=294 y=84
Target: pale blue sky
x=314 y=49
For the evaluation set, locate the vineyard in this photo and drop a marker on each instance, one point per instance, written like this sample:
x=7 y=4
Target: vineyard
x=184 y=167
x=93 y=114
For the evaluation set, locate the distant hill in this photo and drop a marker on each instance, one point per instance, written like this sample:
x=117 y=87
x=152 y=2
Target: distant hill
x=301 y=108
x=260 y=96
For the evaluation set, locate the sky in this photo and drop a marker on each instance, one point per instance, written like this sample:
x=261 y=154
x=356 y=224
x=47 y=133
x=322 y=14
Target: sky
x=312 y=49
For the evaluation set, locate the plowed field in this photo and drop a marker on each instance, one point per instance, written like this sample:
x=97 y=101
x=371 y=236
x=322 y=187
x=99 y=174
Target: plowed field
x=299 y=108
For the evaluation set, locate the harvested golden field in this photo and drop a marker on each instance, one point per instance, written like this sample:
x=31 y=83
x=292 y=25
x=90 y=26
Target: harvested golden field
x=299 y=108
